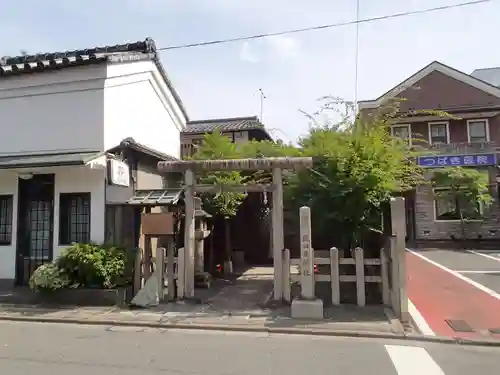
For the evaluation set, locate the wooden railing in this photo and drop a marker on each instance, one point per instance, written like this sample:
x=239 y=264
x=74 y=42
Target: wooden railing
x=334 y=277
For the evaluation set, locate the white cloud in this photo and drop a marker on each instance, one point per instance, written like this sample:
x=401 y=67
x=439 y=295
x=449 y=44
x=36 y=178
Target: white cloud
x=283 y=46
x=271 y=48
x=247 y=54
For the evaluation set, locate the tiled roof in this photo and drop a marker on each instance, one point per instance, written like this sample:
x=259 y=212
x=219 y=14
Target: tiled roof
x=132 y=144
x=225 y=124
x=45 y=160
x=41 y=62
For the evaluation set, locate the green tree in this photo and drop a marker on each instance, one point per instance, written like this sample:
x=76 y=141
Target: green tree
x=357 y=167
x=463 y=191
x=224 y=204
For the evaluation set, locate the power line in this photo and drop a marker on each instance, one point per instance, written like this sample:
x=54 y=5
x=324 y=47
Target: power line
x=321 y=27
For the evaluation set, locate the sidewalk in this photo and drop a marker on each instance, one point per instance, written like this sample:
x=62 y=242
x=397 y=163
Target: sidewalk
x=439 y=296
x=349 y=320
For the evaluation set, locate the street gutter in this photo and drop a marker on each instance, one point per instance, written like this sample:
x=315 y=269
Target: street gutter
x=269 y=330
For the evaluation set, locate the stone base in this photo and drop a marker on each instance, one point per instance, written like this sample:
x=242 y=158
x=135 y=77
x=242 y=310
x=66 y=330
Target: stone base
x=307 y=309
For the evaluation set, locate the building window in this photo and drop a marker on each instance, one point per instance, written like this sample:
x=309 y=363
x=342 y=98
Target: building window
x=401 y=131
x=478 y=131
x=6 y=219
x=74 y=218
x=448 y=208
x=439 y=133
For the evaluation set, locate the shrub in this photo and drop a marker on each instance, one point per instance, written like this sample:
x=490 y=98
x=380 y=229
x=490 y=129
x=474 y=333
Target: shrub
x=96 y=266
x=48 y=277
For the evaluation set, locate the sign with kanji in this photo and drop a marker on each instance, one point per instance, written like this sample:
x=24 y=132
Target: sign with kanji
x=457 y=160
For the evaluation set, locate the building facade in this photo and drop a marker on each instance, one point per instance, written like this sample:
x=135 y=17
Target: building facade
x=238 y=129
x=82 y=131
x=467 y=134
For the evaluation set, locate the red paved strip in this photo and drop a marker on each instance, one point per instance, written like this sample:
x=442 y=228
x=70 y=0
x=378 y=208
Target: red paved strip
x=439 y=295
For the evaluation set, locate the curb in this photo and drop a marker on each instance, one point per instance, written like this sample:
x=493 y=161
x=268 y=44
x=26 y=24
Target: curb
x=269 y=330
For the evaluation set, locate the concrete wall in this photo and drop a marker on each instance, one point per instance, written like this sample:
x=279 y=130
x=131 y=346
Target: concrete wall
x=67 y=180
x=53 y=111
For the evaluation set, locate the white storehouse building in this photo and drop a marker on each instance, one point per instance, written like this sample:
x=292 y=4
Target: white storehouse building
x=82 y=131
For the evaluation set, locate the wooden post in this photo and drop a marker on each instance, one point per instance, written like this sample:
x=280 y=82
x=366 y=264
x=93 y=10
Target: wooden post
x=278 y=233
x=170 y=269
x=138 y=271
x=385 y=277
x=181 y=271
x=286 y=276
x=189 y=237
x=335 y=275
x=148 y=255
x=160 y=271
x=360 y=276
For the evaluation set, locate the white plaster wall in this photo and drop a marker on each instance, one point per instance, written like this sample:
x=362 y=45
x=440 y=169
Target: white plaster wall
x=67 y=180
x=138 y=104
x=8 y=186
x=81 y=180
x=53 y=111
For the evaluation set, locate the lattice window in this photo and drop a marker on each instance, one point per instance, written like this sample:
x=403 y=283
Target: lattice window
x=6 y=202
x=74 y=218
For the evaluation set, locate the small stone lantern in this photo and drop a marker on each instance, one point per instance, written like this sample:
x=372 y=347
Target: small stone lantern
x=203 y=279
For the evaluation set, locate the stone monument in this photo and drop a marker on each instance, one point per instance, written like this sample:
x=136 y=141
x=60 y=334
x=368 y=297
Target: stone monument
x=307 y=306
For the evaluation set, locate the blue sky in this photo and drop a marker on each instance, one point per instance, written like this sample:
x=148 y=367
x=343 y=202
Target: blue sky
x=294 y=71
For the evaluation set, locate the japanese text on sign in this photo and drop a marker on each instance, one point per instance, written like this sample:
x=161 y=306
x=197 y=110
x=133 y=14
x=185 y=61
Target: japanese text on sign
x=457 y=160
x=305 y=256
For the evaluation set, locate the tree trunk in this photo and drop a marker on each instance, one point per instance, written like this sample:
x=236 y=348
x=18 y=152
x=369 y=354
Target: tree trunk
x=462 y=222
x=228 y=266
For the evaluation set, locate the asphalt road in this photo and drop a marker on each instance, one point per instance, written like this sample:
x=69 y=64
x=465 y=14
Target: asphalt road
x=57 y=349
x=482 y=267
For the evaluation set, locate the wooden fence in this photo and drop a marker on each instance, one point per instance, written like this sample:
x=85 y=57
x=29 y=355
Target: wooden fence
x=332 y=258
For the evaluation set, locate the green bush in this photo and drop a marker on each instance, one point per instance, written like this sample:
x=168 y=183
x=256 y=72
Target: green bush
x=96 y=266
x=48 y=277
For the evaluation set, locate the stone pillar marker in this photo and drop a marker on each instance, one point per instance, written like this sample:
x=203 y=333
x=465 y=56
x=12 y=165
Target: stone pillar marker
x=307 y=306
x=306 y=255
x=398 y=223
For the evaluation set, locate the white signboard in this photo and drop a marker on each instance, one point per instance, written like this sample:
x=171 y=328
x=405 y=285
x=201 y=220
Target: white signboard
x=119 y=173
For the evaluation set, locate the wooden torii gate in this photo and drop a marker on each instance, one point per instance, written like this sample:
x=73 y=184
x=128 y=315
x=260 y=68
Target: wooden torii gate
x=186 y=272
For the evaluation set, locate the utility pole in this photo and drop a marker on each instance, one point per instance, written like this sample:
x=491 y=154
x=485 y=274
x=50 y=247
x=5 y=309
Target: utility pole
x=356 y=64
x=262 y=97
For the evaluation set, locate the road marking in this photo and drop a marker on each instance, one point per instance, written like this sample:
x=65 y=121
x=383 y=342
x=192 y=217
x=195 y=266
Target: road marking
x=457 y=275
x=484 y=255
x=479 y=272
x=412 y=360
x=419 y=320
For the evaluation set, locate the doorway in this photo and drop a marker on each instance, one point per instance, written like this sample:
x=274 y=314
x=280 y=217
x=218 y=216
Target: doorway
x=35 y=225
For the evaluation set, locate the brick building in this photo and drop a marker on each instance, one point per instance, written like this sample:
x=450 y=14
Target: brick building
x=471 y=138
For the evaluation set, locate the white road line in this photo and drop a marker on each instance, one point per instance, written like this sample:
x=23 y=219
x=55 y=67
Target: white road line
x=412 y=360
x=484 y=255
x=457 y=275
x=419 y=320
x=478 y=272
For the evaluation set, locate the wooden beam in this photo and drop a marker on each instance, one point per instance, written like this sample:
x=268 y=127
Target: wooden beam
x=236 y=164
x=234 y=188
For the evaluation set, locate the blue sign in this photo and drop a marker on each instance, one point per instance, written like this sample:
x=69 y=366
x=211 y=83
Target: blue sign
x=457 y=160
